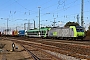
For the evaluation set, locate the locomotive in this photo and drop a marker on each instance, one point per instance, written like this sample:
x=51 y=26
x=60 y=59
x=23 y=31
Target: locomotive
x=72 y=32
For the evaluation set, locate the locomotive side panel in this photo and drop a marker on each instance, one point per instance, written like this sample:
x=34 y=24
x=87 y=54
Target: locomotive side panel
x=61 y=32
x=52 y=32
x=67 y=32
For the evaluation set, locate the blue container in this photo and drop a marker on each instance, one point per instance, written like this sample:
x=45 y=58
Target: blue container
x=21 y=32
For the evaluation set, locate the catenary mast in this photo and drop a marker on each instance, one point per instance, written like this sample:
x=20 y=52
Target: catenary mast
x=82 y=20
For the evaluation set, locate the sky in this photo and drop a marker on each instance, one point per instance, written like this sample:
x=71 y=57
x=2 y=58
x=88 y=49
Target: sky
x=19 y=12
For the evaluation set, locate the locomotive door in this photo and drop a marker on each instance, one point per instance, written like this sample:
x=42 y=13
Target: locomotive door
x=71 y=32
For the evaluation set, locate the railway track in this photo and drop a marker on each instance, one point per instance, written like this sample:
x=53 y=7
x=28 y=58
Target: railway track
x=37 y=53
x=79 y=51
x=34 y=56
x=78 y=42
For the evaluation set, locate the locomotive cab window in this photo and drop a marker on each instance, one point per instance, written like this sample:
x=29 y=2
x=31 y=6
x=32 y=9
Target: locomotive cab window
x=79 y=29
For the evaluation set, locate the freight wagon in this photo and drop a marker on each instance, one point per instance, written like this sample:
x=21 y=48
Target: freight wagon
x=15 y=33
x=71 y=32
x=21 y=33
x=7 y=33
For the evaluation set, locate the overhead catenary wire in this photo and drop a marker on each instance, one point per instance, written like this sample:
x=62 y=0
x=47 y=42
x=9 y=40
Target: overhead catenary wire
x=30 y=9
x=69 y=7
x=47 y=7
x=66 y=6
x=59 y=10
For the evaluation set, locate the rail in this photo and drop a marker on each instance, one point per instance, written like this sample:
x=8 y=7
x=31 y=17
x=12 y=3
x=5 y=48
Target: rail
x=34 y=56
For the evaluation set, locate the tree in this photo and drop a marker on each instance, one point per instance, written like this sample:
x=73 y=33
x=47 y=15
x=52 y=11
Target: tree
x=89 y=27
x=71 y=24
